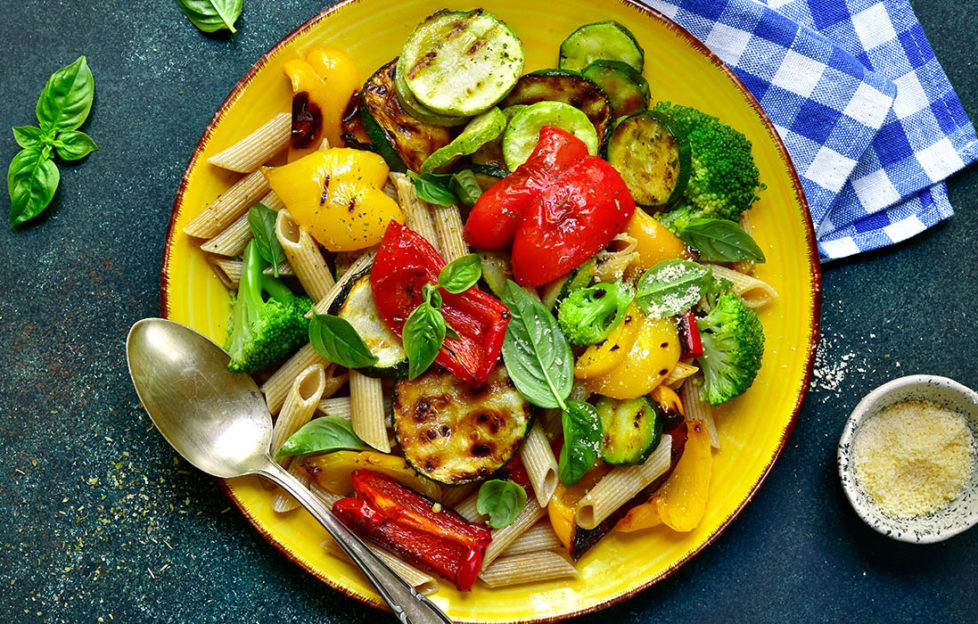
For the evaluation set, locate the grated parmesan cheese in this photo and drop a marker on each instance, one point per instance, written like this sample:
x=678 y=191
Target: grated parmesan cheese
x=914 y=457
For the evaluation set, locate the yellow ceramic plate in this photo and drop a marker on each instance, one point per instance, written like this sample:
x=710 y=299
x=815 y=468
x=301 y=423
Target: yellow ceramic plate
x=753 y=429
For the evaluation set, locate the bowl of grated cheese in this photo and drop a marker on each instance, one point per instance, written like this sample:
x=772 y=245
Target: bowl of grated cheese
x=908 y=458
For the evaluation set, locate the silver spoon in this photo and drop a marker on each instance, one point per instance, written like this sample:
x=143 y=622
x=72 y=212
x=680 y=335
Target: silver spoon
x=218 y=421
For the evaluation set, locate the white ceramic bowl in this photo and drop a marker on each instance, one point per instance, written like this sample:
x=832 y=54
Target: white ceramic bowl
x=962 y=513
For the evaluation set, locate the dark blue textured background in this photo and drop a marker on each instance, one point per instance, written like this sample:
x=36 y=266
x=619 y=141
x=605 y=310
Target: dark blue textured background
x=99 y=521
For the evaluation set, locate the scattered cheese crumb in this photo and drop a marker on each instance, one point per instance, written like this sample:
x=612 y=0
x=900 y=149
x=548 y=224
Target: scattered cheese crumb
x=914 y=457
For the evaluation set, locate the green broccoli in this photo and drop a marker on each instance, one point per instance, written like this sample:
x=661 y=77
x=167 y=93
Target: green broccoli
x=263 y=332
x=733 y=344
x=724 y=179
x=588 y=315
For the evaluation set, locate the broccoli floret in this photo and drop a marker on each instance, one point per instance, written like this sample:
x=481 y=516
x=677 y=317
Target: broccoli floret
x=724 y=179
x=263 y=332
x=588 y=315
x=733 y=344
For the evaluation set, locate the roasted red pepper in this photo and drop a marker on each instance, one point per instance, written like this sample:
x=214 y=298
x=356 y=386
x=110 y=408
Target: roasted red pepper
x=558 y=209
x=689 y=335
x=402 y=520
x=404 y=264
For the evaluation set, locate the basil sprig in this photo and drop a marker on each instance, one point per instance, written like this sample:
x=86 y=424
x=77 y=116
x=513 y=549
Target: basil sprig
x=212 y=15
x=62 y=107
x=502 y=500
x=261 y=220
x=671 y=287
x=582 y=439
x=335 y=339
x=322 y=435
x=720 y=240
x=461 y=274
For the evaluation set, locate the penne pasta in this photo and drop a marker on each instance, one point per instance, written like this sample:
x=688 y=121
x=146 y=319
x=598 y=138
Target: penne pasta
x=278 y=385
x=449 y=226
x=228 y=206
x=340 y=406
x=539 y=537
x=255 y=149
x=234 y=238
x=467 y=508
x=304 y=256
x=621 y=485
x=299 y=406
x=416 y=212
x=229 y=271
x=694 y=409
x=541 y=466
x=424 y=583
x=503 y=538
x=367 y=411
x=452 y=495
x=755 y=293
x=679 y=373
x=282 y=501
x=527 y=568
x=335 y=381
x=612 y=262
x=364 y=261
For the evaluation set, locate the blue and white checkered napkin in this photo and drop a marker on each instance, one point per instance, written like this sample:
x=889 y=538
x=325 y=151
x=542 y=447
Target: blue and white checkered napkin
x=867 y=114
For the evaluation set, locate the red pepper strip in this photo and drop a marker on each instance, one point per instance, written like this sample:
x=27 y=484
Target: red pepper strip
x=559 y=208
x=407 y=508
x=689 y=334
x=451 y=560
x=404 y=264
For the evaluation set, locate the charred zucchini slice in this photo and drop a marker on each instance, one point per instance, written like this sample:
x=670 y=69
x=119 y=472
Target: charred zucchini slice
x=461 y=63
x=627 y=89
x=632 y=430
x=523 y=132
x=481 y=130
x=455 y=434
x=556 y=85
x=604 y=40
x=420 y=111
x=403 y=141
x=653 y=157
x=355 y=303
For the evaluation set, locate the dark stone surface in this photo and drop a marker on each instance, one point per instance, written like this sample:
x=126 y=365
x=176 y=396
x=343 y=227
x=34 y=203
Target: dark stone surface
x=101 y=522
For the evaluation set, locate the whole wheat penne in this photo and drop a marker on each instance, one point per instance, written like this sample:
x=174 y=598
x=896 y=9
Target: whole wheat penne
x=611 y=263
x=503 y=538
x=322 y=306
x=278 y=385
x=621 y=485
x=455 y=494
x=229 y=271
x=234 y=238
x=694 y=409
x=367 y=411
x=340 y=406
x=679 y=373
x=415 y=211
x=282 y=501
x=299 y=406
x=250 y=152
x=228 y=206
x=539 y=537
x=527 y=568
x=421 y=581
x=755 y=293
x=449 y=226
x=467 y=508
x=305 y=256
x=541 y=466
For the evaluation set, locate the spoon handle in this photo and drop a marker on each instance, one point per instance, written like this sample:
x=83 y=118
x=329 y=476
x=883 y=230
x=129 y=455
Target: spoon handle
x=409 y=606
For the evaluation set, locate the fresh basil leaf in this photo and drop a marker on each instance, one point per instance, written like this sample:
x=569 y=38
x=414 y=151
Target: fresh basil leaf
x=261 y=220
x=32 y=179
x=322 y=435
x=28 y=136
x=720 y=240
x=537 y=355
x=450 y=331
x=423 y=335
x=67 y=97
x=672 y=287
x=431 y=295
x=501 y=500
x=74 y=144
x=212 y=15
x=461 y=274
x=433 y=188
x=466 y=187
x=582 y=440
x=337 y=340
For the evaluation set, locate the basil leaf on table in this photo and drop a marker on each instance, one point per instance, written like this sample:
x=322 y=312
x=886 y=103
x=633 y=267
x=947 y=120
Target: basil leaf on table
x=322 y=435
x=433 y=188
x=74 y=145
x=461 y=274
x=672 y=287
x=261 y=220
x=582 y=438
x=422 y=336
x=28 y=136
x=32 y=179
x=212 y=15
x=537 y=355
x=720 y=240
x=337 y=340
x=67 y=97
x=501 y=500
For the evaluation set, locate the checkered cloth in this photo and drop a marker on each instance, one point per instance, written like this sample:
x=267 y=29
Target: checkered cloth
x=868 y=116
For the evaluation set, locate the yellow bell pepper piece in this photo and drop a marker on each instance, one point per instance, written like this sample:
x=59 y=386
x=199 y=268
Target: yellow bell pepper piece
x=310 y=98
x=653 y=242
x=337 y=70
x=336 y=196
x=601 y=358
x=667 y=399
x=655 y=352
x=332 y=471
x=561 y=508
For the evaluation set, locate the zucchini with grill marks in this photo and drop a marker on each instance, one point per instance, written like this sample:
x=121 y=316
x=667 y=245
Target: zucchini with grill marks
x=627 y=89
x=609 y=41
x=455 y=434
x=355 y=303
x=632 y=429
x=556 y=85
x=481 y=130
x=420 y=111
x=404 y=141
x=653 y=157
x=460 y=63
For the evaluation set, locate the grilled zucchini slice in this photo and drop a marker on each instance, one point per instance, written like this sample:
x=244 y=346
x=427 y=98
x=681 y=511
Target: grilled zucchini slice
x=556 y=85
x=481 y=130
x=627 y=89
x=355 y=303
x=632 y=429
x=460 y=63
x=653 y=157
x=420 y=111
x=604 y=40
x=404 y=141
x=455 y=434
x=523 y=132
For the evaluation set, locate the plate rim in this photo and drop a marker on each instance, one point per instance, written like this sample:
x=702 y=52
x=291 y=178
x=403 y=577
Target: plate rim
x=814 y=327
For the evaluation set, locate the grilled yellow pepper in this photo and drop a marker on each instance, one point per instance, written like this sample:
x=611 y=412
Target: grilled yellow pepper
x=336 y=196
x=321 y=88
x=653 y=242
x=332 y=471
